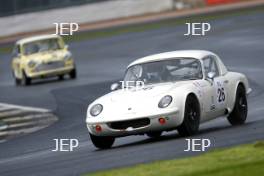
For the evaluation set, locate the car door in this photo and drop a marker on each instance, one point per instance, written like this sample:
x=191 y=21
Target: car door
x=215 y=97
x=220 y=86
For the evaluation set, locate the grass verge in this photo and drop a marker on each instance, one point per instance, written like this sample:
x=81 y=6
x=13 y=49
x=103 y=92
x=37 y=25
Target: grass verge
x=242 y=160
x=88 y=35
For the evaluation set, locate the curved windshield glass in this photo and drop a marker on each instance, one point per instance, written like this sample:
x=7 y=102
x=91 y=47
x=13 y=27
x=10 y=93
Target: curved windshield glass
x=41 y=46
x=177 y=69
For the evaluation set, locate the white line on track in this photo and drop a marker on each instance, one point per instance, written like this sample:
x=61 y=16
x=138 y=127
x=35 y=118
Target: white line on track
x=24 y=107
x=43 y=153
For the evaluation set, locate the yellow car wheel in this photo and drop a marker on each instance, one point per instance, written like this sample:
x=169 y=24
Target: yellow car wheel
x=61 y=77
x=17 y=80
x=73 y=74
x=25 y=80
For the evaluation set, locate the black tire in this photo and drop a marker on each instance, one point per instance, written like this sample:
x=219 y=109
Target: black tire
x=239 y=114
x=25 y=80
x=191 y=122
x=102 y=142
x=73 y=74
x=17 y=81
x=155 y=134
x=61 y=77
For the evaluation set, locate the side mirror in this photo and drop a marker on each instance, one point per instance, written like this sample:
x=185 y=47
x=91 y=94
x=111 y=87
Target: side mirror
x=211 y=75
x=114 y=86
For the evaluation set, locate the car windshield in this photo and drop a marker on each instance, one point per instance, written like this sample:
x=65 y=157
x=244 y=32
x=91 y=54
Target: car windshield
x=177 y=69
x=41 y=46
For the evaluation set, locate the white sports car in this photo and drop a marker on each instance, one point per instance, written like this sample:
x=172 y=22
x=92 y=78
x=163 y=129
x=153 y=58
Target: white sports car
x=168 y=91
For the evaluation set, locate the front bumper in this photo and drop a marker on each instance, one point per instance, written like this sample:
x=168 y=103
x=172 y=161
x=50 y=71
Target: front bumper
x=172 y=121
x=51 y=72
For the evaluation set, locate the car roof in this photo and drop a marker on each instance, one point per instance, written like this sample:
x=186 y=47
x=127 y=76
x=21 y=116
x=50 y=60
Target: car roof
x=36 y=38
x=197 y=54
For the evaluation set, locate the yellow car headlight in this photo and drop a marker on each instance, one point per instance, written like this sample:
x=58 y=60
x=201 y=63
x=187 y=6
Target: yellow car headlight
x=68 y=56
x=32 y=64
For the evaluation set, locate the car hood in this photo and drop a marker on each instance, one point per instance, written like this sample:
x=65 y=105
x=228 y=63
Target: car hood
x=135 y=103
x=48 y=56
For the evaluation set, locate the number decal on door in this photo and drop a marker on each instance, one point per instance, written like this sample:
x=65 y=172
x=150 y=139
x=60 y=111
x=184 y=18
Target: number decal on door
x=221 y=94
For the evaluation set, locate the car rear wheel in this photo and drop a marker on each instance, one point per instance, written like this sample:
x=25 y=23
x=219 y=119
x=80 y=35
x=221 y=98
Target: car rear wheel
x=191 y=121
x=17 y=81
x=73 y=74
x=239 y=114
x=155 y=134
x=61 y=77
x=25 y=80
x=102 y=142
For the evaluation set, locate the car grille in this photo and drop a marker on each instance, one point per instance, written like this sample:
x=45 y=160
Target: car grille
x=50 y=66
x=122 y=125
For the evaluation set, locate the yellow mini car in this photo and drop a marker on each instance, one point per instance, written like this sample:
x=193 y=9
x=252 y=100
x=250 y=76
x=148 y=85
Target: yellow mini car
x=41 y=56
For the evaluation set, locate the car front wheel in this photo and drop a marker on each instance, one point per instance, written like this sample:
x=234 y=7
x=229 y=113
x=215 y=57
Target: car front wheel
x=25 y=80
x=239 y=114
x=17 y=80
x=191 y=121
x=154 y=135
x=61 y=77
x=102 y=142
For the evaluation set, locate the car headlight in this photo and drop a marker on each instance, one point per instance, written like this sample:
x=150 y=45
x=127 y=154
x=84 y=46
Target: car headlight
x=68 y=56
x=96 y=109
x=165 y=101
x=32 y=64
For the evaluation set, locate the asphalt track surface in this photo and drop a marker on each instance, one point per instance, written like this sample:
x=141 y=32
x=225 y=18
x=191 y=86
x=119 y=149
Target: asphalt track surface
x=238 y=40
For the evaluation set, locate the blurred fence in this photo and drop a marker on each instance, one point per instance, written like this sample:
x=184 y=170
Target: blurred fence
x=87 y=13
x=215 y=2
x=90 y=13
x=12 y=7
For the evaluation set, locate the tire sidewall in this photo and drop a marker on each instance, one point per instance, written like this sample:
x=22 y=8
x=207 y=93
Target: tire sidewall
x=102 y=142
x=190 y=127
x=25 y=80
x=238 y=117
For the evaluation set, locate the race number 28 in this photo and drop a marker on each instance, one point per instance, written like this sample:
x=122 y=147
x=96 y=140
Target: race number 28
x=221 y=94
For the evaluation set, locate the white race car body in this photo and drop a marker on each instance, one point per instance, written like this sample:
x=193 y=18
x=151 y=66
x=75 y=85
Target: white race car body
x=136 y=111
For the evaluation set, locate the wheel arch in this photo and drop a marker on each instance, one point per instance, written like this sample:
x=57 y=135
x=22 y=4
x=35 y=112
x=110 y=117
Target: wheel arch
x=184 y=98
x=234 y=93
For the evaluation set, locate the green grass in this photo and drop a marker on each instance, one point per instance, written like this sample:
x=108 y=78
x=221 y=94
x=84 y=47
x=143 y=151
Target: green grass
x=88 y=35
x=244 y=160
x=6 y=49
